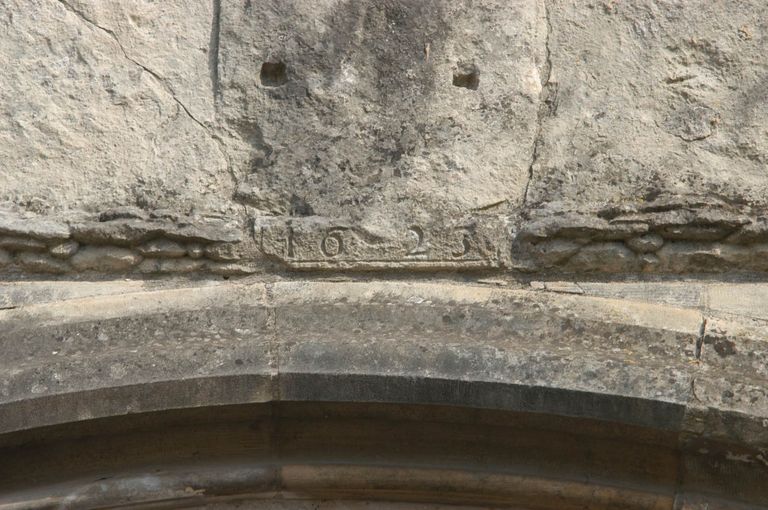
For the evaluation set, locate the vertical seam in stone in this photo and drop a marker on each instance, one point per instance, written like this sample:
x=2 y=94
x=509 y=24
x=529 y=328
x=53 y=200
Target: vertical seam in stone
x=213 y=51
x=700 y=340
x=545 y=108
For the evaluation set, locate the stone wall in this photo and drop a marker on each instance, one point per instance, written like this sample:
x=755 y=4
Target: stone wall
x=496 y=136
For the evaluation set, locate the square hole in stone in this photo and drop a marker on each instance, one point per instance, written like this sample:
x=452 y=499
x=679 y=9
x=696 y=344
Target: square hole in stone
x=467 y=76
x=273 y=74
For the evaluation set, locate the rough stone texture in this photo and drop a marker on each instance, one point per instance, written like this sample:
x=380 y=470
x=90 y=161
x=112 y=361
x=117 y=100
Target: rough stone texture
x=64 y=250
x=21 y=243
x=41 y=263
x=105 y=259
x=626 y=364
x=397 y=135
x=646 y=244
x=5 y=258
x=390 y=133
x=565 y=201
x=109 y=104
x=650 y=98
x=162 y=248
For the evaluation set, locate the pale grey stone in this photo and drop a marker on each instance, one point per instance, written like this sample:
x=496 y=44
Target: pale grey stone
x=195 y=250
x=39 y=228
x=366 y=123
x=5 y=258
x=21 y=243
x=645 y=244
x=181 y=266
x=64 y=250
x=41 y=263
x=205 y=231
x=551 y=253
x=648 y=261
x=170 y=266
x=102 y=258
x=649 y=98
x=117 y=232
x=578 y=225
x=231 y=268
x=223 y=252
x=613 y=257
x=112 y=104
x=159 y=248
x=682 y=257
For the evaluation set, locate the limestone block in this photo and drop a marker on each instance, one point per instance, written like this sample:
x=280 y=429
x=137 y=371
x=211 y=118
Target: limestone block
x=21 y=243
x=64 y=250
x=645 y=244
x=223 y=252
x=650 y=98
x=102 y=258
x=379 y=110
x=160 y=248
x=45 y=229
x=42 y=263
x=613 y=257
x=109 y=103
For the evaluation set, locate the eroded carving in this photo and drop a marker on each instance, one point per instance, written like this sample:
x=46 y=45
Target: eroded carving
x=325 y=244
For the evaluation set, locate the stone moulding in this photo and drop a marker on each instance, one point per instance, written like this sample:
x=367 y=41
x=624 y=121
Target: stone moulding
x=664 y=237
x=124 y=240
x=671 y=236
x=658 y=396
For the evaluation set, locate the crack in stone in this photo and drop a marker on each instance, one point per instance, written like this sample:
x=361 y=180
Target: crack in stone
x=213 y=51
x=156 y=76
x=545 y=102
x=214 y=70
x=700 y=339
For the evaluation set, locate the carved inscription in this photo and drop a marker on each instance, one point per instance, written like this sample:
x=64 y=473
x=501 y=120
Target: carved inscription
x=419 y=249
x=332 y=244
x=324 y=244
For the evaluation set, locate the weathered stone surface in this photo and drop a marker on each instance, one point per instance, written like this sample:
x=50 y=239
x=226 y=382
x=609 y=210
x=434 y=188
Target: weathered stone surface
x=647 y=98
x=645 y=244
x=552 y=253
x=21 y=243
x=151 y=150
x=362 y=110
x=754 y=232
x=109 y=104
x=97 y=258
x=223 y=252
x=576 y=225
x=604 y=257
x=170 y=266
x=232 y=268
x=126 y=212
x=37 y=228
x=205 y=231
x=681 y=257
x=64 y=250
x=42 y=263
x=5 y=258
x=468 y=243
x=118 y=232
x=195 y=250
x=159 y=248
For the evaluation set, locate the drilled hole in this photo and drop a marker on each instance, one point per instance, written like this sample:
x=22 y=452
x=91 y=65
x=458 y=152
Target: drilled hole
x=273 y=74
x=467 y=76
